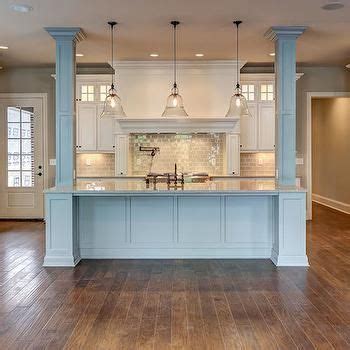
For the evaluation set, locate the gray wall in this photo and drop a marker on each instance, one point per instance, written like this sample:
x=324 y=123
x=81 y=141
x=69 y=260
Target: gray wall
x=331 y=148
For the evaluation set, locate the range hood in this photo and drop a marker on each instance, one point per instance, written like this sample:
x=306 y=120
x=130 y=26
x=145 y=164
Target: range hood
x=177 y=125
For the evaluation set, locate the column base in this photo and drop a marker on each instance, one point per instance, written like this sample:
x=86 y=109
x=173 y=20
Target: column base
x=61 y=261
x=298 y=260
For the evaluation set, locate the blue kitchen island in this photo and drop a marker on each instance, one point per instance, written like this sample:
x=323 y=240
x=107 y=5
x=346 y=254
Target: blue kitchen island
x=123 y=219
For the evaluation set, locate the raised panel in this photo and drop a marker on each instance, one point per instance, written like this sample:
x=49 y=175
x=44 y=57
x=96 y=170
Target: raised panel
x=248 y=129
x=86 y=127
x=122 y=154
x=152 y=220
x=233 y=154
x=266 y=138
x=102 y=222
x=248 y=220
x=20 y=200
x=199 y=221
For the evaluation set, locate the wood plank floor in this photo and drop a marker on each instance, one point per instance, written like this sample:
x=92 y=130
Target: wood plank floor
x=176 y=304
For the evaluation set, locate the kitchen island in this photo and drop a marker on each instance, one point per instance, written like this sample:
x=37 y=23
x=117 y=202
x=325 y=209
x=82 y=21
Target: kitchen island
x=228 y=218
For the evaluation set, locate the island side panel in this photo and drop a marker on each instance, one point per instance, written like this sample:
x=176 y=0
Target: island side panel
x=289 y=244
x=62 y=241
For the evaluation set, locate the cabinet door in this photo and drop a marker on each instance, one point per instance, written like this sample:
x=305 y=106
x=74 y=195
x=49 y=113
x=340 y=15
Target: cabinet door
x=232 y=154
x=86 y=127
x=248 y=129
x=266 y=135
x=105 y=132
x=121 y=154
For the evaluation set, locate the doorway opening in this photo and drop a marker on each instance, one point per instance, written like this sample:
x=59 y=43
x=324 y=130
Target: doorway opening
x=329 y=151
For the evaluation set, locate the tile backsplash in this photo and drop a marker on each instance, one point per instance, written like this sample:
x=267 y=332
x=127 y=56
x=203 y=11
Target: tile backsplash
x=258 y=164
x=191 y=152
x=96 y=164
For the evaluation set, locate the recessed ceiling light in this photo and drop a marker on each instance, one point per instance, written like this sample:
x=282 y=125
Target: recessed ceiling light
x=1 y=68
x=333 y=5
x=199 y=54
x=272 y=54
x=347 y=66
x=3 y=47
x=154 y=54
x=79 y=54
x=21 y=8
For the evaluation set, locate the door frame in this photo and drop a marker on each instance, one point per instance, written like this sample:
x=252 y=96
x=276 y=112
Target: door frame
x=44 y=130
x=309 y=97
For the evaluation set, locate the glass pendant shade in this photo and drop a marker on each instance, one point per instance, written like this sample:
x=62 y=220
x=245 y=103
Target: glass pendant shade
x=174 y=106
x=238 y=105
x=113 y=105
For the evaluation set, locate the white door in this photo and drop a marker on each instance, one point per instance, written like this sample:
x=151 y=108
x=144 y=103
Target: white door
x=266 y=127
x=86 y=126
x=21 y=158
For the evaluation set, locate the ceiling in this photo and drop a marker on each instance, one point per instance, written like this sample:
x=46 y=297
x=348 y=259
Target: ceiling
x=144 y=28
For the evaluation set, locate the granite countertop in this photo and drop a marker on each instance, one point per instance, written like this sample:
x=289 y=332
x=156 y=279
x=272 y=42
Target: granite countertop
x=137 y=186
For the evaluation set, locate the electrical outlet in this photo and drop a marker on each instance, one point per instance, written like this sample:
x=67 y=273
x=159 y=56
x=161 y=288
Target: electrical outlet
x=88 y=162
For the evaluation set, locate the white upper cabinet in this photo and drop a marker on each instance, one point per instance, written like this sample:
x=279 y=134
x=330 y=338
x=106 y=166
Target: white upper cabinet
x=258 y=129
x=93 y=132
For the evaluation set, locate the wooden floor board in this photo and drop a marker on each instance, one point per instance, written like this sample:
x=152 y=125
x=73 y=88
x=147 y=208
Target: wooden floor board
x=176 y=304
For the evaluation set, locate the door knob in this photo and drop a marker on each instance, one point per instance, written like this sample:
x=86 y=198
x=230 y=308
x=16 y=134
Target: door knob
x=39 y=174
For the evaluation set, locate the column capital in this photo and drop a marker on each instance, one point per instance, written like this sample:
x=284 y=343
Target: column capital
x=291 y=32
x=66 y=33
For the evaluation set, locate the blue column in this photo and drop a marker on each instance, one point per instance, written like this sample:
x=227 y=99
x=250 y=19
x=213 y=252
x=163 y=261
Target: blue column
x=66 y=39
x=285 y=78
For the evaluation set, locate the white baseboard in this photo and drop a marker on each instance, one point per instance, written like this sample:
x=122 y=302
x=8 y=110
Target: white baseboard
x=331 y=203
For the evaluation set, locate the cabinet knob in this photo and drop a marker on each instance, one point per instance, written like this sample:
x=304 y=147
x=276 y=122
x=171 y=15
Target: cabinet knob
x=113 y=146
x=233 y=172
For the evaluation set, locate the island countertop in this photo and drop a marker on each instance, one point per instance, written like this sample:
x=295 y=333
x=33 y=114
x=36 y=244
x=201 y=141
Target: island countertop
x=137 y=186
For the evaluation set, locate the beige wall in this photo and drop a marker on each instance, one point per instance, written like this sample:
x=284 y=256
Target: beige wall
x=331 y=148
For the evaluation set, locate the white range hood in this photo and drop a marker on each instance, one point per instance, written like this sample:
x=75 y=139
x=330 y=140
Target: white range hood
x=177 y=125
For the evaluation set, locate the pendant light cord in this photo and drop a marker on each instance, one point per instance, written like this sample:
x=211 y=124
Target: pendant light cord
x=237 y=23
x=112 y=24
x=175 y=24
x=175 y=84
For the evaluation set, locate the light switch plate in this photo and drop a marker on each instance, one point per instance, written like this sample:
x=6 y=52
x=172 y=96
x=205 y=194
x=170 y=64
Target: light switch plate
x=52 y=161
x=299 y=161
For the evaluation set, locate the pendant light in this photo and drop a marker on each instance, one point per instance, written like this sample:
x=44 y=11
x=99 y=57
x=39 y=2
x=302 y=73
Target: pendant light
x=113 y=105
x=174 y=106
x=238 y=104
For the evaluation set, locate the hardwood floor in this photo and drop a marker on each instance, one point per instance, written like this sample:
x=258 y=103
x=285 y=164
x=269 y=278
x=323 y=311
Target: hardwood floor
x=176 y=304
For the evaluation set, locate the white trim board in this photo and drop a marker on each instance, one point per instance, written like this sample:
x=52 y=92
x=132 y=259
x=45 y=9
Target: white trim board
x=308 y=156
x=331 y=203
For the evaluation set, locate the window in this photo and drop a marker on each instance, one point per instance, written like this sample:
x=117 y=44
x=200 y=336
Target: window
x=87 y=93
x=20 y=147
x=104 y=92
x=266 y=92
x=248 y=91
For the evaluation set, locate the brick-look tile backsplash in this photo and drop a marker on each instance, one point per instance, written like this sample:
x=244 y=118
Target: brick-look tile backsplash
x=97 y=164
x=192 y=153
x=257 y=164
